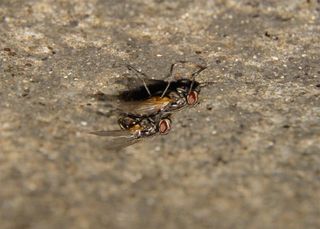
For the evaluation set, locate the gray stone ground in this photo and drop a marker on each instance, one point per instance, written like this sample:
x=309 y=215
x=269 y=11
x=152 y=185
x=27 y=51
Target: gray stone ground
x=247 y=157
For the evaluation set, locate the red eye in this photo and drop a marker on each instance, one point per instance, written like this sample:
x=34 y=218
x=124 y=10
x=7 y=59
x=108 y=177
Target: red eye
x=192 y=98
x=164 y=126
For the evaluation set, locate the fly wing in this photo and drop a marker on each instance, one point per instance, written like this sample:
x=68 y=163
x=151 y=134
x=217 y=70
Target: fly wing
x=119 y=106
x=144 y=108
x=132 y=107
x=120 y=143
x=113 y=133
x=118 y=138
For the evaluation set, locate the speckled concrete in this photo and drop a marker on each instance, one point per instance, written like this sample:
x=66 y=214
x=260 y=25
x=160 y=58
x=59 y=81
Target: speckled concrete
x=247 y=157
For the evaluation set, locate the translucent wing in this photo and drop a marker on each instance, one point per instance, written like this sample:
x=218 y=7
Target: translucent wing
x=133 y=107
x=148 y=107
x=120 y=143
x=113 y=133
x=118 y=139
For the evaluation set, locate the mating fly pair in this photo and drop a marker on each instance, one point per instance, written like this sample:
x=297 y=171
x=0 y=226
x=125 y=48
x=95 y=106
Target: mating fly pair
x=146 y=107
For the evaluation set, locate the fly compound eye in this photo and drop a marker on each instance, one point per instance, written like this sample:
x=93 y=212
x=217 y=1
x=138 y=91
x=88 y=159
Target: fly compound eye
x=192 y=98
x=164 y=126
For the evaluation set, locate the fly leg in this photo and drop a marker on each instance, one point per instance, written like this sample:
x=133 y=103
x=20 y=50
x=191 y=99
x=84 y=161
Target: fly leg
x=170 y=76
x=194 y=74
x=197 y=72
x=170 y=79
x=138 y=73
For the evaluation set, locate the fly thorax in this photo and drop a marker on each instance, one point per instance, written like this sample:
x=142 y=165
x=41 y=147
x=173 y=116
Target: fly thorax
x=150 y=130
x=181 y=101
x=174 y=95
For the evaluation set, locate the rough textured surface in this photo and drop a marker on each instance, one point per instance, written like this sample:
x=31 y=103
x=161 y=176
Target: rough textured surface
x=247 y=157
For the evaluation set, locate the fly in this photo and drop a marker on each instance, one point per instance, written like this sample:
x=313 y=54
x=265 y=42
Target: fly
x=154 y=96
x=145 y=109
x=135 y=128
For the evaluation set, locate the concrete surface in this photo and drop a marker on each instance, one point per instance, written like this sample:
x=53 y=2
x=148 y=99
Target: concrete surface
x=247 y=157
